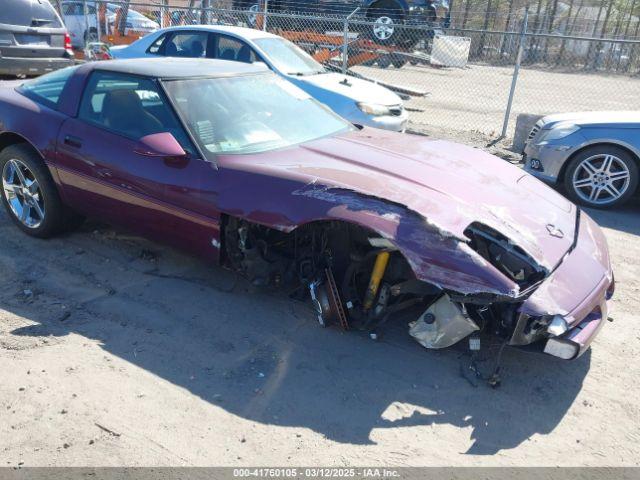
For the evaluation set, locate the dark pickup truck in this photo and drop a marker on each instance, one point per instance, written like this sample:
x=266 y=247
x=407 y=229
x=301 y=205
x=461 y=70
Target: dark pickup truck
x=33 y=39
x=384 y=19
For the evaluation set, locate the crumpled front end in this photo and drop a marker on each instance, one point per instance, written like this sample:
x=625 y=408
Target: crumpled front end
x=460 y=242
x=570 y=306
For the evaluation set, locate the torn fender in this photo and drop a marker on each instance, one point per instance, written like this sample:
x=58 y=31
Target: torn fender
x=419 y=193
x=436 y=256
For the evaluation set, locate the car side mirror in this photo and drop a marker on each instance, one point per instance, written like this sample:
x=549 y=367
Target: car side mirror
x=163 y=145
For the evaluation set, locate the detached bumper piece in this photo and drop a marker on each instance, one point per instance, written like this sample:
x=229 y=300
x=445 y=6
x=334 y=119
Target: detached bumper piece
x=442 y=324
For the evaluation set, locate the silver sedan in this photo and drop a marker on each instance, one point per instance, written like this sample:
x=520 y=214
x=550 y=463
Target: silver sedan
x=594 y=155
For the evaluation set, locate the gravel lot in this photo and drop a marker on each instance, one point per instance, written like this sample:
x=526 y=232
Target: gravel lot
x=473 y=100
x=117 y=351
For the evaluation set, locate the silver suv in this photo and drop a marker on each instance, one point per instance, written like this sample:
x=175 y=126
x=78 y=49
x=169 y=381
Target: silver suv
x=33 y=39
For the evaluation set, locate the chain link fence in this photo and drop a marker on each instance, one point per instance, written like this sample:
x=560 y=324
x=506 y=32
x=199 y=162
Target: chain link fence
x=461 y=74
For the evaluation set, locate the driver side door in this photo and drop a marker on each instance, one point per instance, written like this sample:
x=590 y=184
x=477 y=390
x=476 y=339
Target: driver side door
x=103 y=173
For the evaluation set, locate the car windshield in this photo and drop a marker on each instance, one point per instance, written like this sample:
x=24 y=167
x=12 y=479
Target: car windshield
x=289 y=58
x=250 y=114
x=29 y=14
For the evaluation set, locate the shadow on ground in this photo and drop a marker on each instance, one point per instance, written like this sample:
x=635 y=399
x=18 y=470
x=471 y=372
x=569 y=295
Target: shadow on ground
x=261 y=356
x=625 y=219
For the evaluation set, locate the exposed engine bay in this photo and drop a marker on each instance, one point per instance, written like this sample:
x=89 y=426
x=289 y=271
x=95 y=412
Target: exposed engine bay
x=358 y=280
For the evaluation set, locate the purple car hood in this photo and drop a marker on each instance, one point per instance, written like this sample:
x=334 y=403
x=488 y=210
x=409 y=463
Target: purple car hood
x=448 y=184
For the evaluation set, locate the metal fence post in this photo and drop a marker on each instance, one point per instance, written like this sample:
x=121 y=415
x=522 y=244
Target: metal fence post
x=345 y=46
x=516 y=72
x=204 y=14
x=163 y=14
x=264 y=16
x=98 y=25
x=345 y=41
x=85 y=12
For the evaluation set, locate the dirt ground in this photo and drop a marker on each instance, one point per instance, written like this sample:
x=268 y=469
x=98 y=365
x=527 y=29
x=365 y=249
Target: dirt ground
x=473 y=100
x=115 y=351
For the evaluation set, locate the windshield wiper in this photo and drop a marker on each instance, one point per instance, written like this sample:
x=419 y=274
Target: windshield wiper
x=40 y=21
x=305 y=74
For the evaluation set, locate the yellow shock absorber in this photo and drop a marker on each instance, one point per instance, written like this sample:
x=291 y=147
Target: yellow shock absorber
x=382 y=259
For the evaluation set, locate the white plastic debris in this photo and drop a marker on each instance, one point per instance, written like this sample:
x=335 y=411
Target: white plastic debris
x=442 y=324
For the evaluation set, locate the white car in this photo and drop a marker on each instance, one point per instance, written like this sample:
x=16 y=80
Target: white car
x=85 y=29
x=359 y=101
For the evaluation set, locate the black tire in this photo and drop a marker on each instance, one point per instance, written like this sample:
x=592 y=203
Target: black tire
x=57 y=217
x=398 y=61
x=90 y=36
x=576 y=171
x=384 y=61
x=253 y=11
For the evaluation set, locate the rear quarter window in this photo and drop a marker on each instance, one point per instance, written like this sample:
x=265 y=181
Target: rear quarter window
x=47 y=88
x=29 y=13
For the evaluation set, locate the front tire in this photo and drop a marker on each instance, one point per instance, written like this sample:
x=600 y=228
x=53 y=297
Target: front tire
x=29 y=194
x=602 y=176
x=252 y=15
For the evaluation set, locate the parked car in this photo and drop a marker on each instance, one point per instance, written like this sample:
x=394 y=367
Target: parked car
x=234 y=163
x=594 y=155
x=33 y=39
x=84 y=28
x=385 y=18
x=359 y=101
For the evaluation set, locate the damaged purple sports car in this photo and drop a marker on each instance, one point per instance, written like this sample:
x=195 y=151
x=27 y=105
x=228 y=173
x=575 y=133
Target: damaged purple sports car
x=234 y=164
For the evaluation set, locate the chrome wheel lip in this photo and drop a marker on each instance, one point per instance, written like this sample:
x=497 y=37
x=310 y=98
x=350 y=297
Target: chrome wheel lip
x=22 y=193
x=383 y=28
x=601 y=179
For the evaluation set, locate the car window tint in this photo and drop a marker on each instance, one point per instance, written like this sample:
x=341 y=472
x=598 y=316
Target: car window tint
x=155 y=46
x=187 y=44
x=232 y=49
x=130 y=106
x=28 y=13
x=72 y=9
x=47 y=88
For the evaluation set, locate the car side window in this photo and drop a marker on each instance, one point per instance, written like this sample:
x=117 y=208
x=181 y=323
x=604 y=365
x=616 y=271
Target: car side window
x=129 y=106
x=229 y=48
x=157 y=45
x=187 y=44
x=47 y=88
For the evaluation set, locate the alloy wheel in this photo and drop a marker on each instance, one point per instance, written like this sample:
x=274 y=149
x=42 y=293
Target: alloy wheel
x=383 y=28
x=601 y=179
x=22 y=192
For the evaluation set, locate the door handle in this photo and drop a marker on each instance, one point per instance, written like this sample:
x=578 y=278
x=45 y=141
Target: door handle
x=72 y=141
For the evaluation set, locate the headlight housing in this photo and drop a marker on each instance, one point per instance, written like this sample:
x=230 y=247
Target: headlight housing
x=557 y=326
x=557 y=132
x=374 y=109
